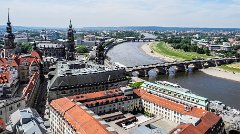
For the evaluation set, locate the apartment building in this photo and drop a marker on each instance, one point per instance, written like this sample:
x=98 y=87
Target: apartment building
x=176 y=93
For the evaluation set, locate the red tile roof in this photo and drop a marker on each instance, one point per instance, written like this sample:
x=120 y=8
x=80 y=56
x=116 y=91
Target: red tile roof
x=196 y=112
x=3 y=62
x=29 y=88
x=36 y=54
x=78 y=118
x=208 y=120
x=105 y=100
x=185 y=129
x=94 y=95
x=101 y=96
x=2 y=124
x=4 y=77
x=13 y=63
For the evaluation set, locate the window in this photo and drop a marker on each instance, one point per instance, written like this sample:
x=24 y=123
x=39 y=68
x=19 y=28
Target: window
x=19 y=104
x=10 y=108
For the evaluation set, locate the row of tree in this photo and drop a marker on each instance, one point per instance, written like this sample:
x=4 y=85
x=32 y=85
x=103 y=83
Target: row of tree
x=185 y=44
x=122 y=34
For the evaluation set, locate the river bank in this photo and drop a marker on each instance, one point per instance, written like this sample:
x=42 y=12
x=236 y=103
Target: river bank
x=218 y=72
x=148 y=50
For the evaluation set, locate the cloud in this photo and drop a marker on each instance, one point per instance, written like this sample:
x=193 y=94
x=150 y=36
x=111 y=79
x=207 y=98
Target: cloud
x=186 y=13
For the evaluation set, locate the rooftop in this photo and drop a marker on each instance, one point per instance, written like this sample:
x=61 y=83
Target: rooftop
x=97 y=95
x=9 y=101
x=195 y=112
x=27 y=121
x=79 y=118
x=31 y=84
x=148 y=129
x=206 y=122
x=178 y=90
x=2 y=125
x=101 y=97
x=79 y=73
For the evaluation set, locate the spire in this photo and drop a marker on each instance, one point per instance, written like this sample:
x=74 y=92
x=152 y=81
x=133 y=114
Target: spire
x=70 y=25
x=9 y=27
x=9 y=36
x=8 y=17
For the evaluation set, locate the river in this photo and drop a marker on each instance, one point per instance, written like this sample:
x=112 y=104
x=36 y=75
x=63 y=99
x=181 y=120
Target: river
x=131 y=54
x=227 y=91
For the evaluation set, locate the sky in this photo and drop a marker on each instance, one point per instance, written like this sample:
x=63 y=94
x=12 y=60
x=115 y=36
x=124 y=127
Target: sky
x=92 y=13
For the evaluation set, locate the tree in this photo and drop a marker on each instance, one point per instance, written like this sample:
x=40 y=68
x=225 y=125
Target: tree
x=200 y=51
x=185 y=47
x=206 y=51
x=142 y=36
x=25 y=47
x=193 y=48
x=82 y=49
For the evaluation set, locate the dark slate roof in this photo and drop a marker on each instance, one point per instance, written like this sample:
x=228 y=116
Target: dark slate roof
x=82 y=79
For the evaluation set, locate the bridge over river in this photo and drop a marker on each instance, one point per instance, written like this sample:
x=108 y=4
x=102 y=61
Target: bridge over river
x=183 y=66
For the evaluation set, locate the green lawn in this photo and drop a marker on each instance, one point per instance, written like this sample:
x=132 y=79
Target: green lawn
x=136 y=84
x=166 y=50
x=231 y=68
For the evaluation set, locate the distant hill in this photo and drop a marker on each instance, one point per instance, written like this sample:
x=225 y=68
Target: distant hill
x=23 y=28
x=158 y=28
x=126 y=28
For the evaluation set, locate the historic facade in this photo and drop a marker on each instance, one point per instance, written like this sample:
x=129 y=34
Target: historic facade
x=51 y=50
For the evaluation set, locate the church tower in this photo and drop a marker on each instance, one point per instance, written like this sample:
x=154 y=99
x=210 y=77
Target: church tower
x=9 y=46
x=70 y=49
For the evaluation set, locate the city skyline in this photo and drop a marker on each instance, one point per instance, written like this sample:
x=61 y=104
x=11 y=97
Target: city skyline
x=93 y=13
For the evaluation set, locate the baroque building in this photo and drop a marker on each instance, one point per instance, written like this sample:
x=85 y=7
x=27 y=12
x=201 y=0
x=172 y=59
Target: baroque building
x=75 y=77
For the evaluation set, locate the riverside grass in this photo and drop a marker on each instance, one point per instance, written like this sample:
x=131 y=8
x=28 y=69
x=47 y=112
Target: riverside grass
x=235 y=67
x=166 y=50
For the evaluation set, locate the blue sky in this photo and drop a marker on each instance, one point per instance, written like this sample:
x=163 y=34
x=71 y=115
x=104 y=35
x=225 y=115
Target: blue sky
x=180 y=13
